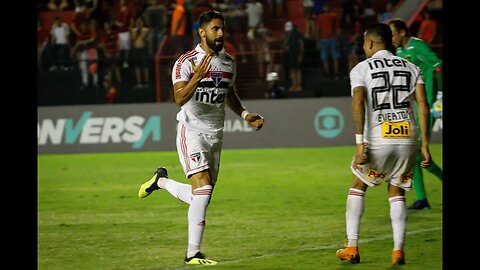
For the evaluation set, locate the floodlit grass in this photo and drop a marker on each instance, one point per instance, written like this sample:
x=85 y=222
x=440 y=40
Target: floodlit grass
x=271 y=209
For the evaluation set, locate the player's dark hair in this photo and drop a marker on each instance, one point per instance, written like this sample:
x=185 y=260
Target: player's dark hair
x=400 y=25
x=383 y=32
x=208 y=16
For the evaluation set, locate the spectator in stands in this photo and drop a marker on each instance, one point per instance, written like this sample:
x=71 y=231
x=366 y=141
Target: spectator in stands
x=275 y=43
x=140 y=57
x=78 y=4
x=43 y=50
x=369 y=14
x=354 y=44
x=228 y=45
x=234 y=17
x=293 y=50
x=270 y=40
x=124 y=23
x=178 y=27
x=96 y=11
x=199 y=7
x=60 y=47
x=110 y=89
x=435 y=7
x=263 y=39
x=415 y=25
x=386 y=14
x=139 y=7
x=327 y=25
x=276 y=9
x=108 y=43
x=86 y=51
x=274 y=88
x=254 y=12
x=56 y=5
x=52 y=5
x=308 y=15
x=428 y=28
x=155 y=16
x=349 y=10
x=81 y=16
x=65 y=5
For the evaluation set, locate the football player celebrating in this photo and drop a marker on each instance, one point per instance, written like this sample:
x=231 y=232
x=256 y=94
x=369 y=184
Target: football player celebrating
x=203 y=82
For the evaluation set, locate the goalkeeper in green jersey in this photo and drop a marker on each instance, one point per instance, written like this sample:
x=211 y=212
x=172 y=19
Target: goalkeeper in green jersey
x=419 y=53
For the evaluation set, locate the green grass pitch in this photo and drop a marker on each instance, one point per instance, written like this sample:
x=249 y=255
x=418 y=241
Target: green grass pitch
x=271 y=209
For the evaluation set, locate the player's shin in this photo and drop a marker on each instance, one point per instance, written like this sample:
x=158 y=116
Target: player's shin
x=354 y=212
x=196 y=218
x=179 y=190
x=398 y=216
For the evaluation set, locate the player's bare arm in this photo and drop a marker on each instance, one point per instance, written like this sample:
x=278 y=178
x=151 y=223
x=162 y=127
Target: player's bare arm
x=233 y=101
x=424 y=120
x=358 y=115
x=184 y=90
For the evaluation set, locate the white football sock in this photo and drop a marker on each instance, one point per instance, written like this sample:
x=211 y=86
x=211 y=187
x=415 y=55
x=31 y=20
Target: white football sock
x=355 y=208
x=196 y=218
x=178 y=190
x=398 y=216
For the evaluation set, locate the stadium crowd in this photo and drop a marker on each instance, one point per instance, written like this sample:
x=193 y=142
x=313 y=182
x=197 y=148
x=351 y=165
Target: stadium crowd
x=117 y=41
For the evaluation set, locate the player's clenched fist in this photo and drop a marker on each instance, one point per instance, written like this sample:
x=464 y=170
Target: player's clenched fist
x=255 y=120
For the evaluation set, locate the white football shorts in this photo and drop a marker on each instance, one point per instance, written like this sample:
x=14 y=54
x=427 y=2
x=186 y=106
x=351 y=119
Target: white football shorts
x=198 y=152
x=393 y=163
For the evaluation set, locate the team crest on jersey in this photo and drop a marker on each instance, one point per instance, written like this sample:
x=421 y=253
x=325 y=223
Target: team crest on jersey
x=195 y=157
x=216 y=76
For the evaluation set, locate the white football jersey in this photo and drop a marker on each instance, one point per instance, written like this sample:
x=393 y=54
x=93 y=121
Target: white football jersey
x=205 y=111
x=390 y=99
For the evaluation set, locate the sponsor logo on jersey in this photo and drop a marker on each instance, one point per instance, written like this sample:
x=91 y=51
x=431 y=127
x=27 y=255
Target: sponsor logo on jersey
x=406 y=178
x=396 y=130
x=209 y=97
x=178 y=66
x=372 y=173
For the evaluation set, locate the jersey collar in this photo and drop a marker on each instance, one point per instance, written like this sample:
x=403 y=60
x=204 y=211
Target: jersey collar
x=382 y=54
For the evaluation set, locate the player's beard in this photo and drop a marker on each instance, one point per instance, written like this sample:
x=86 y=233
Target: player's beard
x=211 y=44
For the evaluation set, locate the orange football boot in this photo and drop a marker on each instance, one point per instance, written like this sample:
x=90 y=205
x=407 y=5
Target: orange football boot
x=398 y=257
x=349 y=254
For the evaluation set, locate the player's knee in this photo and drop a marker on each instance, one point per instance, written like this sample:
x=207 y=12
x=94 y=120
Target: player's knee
x=395 y=191
x=358 y=184
x=203 y=190
x=200 y=180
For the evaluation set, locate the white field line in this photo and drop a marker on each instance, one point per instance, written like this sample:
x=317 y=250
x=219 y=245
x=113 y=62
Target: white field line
x=330 y=246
